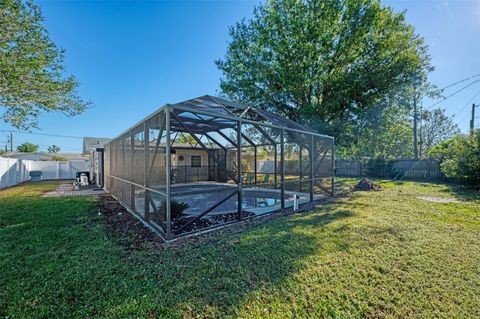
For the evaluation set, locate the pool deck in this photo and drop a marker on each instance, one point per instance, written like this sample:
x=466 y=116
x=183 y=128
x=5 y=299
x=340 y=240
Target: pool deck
x=66 y=189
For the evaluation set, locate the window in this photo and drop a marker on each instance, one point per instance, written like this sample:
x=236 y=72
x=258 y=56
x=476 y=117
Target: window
x=196 y=161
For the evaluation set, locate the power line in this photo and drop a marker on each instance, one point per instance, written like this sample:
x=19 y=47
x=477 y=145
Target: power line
x=454 y=93
x=466 y=115
x=468 y=103
x=44 y=134
x=18 y=142
x=66 y=148
x=461 y=81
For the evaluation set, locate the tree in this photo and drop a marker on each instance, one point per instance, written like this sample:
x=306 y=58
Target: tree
x=383 y=132
x=32 y=71
x=461 y=158
x=27 y=148
x=440 y=151
x=53 y=149
x=186 y=138
x=436 y=128
x=323 y=63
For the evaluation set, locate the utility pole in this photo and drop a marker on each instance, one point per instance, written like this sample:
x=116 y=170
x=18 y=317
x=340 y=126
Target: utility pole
x=472 y=121
x=415 y=119
x=9 y=141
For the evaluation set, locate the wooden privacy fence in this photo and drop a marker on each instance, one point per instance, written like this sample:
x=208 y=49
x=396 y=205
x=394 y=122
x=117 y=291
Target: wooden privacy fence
x=399 y=169
x=417 y=169
x=352 y=168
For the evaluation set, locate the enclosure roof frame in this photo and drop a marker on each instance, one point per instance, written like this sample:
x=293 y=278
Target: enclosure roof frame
x=229 y=115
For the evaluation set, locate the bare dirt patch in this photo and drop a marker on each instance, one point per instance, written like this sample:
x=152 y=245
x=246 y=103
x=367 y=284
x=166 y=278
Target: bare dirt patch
x=435 y=199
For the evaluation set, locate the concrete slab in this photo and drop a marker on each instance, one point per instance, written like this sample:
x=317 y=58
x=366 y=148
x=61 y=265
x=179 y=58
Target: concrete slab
x=66 y=189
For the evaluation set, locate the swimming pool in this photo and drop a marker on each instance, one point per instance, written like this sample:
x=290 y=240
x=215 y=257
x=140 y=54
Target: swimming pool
x=201 y=197
x=251 y=199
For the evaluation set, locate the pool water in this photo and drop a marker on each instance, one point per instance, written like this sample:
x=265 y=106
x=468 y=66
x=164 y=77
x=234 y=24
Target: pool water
x=200 y=202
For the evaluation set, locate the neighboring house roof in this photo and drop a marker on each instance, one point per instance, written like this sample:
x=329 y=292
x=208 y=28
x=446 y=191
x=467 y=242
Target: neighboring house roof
x=192 y=146
x=92 y=143
x=38 y=156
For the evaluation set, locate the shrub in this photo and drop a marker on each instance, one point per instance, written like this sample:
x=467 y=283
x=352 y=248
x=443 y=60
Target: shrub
x=54 y=158
x=461 y=159
x=59 y=158
x=440 y=151
x=177 y=208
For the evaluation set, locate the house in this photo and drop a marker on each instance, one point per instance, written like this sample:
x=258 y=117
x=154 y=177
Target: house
x=92 y=143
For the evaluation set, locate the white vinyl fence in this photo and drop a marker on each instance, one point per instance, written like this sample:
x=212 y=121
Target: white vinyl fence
x=15 y=171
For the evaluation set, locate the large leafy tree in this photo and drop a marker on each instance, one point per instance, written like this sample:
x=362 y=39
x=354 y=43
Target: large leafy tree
x=325 y=63
x=384 y=133
x=31 y=68
x=385 y=129
x=436 y=128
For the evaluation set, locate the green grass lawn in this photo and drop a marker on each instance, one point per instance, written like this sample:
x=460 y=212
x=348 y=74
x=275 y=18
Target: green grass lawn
x=375 y=254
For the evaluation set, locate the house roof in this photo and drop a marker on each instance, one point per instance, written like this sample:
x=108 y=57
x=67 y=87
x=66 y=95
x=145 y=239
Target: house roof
x=92 y=143
x=37 y=156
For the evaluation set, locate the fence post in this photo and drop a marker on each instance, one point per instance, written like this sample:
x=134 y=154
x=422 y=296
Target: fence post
x=282 y=169
x=239 y=170
x=333 y=167
x=312 y=172
x=17 y=171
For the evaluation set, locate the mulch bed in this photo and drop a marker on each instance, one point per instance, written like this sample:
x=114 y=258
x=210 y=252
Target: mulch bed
x=206 y=221
x=123 y=227
x=126 y=230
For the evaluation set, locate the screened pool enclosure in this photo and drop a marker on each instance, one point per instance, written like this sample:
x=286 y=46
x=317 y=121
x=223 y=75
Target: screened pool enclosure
x=207 y=162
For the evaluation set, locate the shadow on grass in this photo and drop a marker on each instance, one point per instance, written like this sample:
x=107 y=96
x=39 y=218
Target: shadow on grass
x=221 y=275
x=65 y=265
x=463 y=192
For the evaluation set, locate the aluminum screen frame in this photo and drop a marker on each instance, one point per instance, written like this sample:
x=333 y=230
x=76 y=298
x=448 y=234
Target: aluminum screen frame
x=302 y=158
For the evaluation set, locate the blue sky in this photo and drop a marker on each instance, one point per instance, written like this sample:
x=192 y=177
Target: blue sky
x=132 y=57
